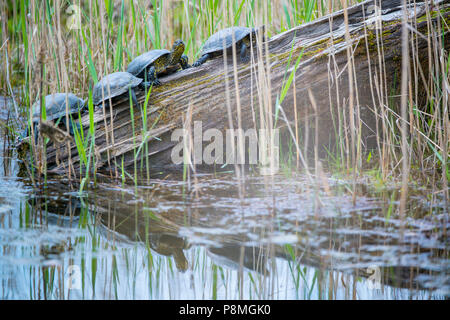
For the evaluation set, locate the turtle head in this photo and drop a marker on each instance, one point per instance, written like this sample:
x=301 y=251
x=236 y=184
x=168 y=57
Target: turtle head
x=177 y=51
x=259 y=31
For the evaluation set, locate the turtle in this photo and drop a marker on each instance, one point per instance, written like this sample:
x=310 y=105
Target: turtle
x=156 y=62
x=117 y=84
x=214 y=46
x=55 y=107
x=55 y=110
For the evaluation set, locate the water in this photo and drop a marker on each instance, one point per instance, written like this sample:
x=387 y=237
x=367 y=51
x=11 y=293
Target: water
x=273 y=238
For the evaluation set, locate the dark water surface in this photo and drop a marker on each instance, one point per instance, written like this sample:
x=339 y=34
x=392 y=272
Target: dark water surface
x=271 y=238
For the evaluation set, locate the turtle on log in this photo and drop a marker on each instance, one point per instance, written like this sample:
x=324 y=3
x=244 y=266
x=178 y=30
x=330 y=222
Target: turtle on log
x=117 y=84
x=55 y=123
x=223 y=39
x=156 y=62
x=55 y=110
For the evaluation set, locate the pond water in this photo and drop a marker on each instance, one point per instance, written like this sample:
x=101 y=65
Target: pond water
x=279 y=237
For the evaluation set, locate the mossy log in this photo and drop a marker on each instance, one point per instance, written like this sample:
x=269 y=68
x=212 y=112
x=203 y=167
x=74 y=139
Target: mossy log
x=322 y=71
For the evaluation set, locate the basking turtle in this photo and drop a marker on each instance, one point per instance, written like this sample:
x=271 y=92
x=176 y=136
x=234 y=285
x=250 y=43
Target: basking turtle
x=214 y=46
x=55 y=110
x=54 y=127
x=116 y=84
x=55 y=107
x=156 y=62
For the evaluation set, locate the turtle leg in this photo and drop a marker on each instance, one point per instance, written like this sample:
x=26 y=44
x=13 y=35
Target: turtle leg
x=36 y=133
x=62 y=125
x=145 y=85
x=152 y=77
x=184 y=62
x=77 y=125
x=72 y=126
x=201 y=61
x=244 y=57
x=133 y=97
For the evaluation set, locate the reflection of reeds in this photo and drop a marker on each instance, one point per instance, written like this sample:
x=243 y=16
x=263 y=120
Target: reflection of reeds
x=114 y=252
x=113 y=249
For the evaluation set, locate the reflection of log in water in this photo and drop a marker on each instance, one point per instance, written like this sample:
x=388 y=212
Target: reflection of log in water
x=168 y=222
x=322 y=43
x=119 y=222
x=149 y=230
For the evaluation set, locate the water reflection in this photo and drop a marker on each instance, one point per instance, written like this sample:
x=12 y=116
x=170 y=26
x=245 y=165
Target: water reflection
x=158 y=241
x=279 y=238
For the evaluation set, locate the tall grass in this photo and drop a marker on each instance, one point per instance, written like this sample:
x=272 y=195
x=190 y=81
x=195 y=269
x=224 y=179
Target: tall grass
x=109 y=34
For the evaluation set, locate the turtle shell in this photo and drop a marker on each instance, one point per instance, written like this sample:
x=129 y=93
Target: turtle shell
x=55 y=106
x=156 y=57
x=215 y=42
x=118 y=82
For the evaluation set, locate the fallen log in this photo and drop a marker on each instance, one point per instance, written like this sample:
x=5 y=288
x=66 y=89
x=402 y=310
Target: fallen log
x=204 y=93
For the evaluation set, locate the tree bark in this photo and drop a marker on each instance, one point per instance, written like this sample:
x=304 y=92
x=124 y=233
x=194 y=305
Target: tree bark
x=322 y=74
